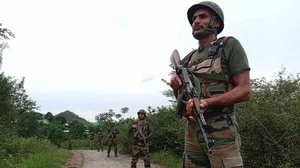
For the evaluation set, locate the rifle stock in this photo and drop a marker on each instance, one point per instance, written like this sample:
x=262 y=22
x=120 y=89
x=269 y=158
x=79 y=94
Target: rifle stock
x=188 y=91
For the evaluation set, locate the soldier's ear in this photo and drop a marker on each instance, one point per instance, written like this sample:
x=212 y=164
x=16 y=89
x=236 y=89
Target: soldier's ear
x=217 y=23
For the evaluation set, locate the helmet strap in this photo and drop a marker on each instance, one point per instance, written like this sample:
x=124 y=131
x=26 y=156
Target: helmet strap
x=211 y=25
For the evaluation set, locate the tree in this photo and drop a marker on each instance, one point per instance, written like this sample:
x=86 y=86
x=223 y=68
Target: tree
x=54 y=133
x=124 y=110
x=5 y=34
x=28 y=125
x=77 y=129
x=169 y=92
x=105 y=117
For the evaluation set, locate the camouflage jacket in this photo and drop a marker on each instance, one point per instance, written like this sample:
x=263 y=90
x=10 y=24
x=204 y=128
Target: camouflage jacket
x=100 y=135
x=145 y=127
x=112 y=133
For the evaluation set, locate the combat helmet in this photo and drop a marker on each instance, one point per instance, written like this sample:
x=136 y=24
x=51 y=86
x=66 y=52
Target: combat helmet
x=142 y=111
x=211 y=6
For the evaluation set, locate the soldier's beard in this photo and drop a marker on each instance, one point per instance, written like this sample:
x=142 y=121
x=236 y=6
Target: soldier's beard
x=141 y=118
x=200 y=35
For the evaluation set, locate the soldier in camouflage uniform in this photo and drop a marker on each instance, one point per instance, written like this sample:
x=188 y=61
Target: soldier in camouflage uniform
x=220 y=72
x=112 y=139
x=100 y=136
x=92 y=140
x=140 y=147
x=69 y=144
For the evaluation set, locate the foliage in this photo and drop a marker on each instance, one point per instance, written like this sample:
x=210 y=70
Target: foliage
x=77 y=144
x=33 y=148
x=28 y=125
x=54 y=133
x=5 y=33
x=77 y=129
x=269 y=122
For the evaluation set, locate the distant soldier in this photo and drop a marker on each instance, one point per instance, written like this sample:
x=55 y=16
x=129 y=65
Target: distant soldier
x=112 y=139
x=100 y=136
x=141 y=131
x=92 y=139
x=69 y=144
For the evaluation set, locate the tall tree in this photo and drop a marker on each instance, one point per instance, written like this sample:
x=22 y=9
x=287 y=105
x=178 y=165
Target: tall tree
x=5 y=34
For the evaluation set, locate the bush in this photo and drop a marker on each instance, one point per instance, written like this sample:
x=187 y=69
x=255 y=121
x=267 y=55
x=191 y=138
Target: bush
x=269 y=123
x=33 y=152
x=77 y=144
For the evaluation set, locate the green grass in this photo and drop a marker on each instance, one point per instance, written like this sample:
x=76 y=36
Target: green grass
x=52 y=159
x=167 y=159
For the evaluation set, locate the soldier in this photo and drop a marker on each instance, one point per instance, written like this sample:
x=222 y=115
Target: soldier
x=140 y=146
x=220 y=72
x=100 y=136
x=92 y=139
x=112 y=139
x=69 y=144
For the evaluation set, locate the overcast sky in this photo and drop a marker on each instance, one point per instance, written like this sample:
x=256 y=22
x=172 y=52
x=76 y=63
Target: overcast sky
x=87 y=56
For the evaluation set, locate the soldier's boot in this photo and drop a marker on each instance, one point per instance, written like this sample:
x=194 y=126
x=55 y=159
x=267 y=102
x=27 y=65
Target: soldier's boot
x=147 y=163
x=116 y=153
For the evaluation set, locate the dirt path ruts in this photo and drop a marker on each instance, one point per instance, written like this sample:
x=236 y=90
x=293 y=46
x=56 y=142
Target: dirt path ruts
x=95 y=159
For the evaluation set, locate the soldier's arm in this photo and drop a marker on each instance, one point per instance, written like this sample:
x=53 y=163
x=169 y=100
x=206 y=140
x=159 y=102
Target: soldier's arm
x=130 y=129
x=150 y=130
x=239 y=71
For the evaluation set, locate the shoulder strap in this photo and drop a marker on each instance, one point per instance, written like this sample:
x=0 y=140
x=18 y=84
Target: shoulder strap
x=218 y=44
x=186 y=60
x=212 y=52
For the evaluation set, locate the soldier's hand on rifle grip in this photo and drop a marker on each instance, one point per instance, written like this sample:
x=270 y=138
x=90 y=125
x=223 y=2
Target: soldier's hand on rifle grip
x=133 y=126
x=190 y=108
x=175 y=84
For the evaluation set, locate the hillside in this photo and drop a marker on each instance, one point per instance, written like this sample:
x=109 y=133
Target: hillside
x=70 y=116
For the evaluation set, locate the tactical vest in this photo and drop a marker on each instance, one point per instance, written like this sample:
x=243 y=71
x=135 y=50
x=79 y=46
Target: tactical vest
x=211 y=76
x=113 y=134
x=144 y=126
x=100 y=135
x=92 y=136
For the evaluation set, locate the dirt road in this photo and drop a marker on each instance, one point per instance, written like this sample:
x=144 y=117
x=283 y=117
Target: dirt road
x=95 y=159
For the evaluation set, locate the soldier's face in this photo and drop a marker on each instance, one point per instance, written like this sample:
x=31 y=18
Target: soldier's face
x=200 y=24
x=141 y=116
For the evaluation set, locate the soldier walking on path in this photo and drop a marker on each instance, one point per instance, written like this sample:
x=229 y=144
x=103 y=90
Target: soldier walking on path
x=100 y=136
x=92 y=140
x=112 y=139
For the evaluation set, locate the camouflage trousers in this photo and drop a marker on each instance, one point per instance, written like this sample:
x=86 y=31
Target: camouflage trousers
x=225 y=151
x=140 y=150
x=112 y=143
x=92 y=144
x=100 y=145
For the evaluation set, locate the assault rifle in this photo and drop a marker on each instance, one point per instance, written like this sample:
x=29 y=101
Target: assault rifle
x=140 y=133
x=189 y=92
x=111 y=132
